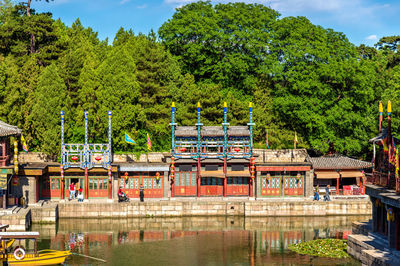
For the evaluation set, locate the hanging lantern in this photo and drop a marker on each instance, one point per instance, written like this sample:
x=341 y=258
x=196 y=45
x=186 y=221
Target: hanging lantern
x=183 y=149
x=157 y=177
x=109 y=173
x=298 y=176
x=126 y=175
x=98 y=158
x=16 y=157
x=74 y=158
x=236 y=149
x=269 y=177
x=172 y=171
x=15 y=181
x=390 y=215
x=252 y=167
x=62 y=171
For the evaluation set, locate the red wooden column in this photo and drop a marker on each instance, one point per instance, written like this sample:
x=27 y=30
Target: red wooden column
x=225 y=181
x=62 y=182
x=109 y=182
x=251 y=186
x=198 y=177
x=86 y=184
x=36 y=189
x=337 y=186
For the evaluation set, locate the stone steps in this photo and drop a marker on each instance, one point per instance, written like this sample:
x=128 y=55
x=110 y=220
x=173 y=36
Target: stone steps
x=371 y=250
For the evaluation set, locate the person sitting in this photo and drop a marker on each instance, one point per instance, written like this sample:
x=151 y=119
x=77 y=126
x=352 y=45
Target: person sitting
x=122 y=196
x=80 y=195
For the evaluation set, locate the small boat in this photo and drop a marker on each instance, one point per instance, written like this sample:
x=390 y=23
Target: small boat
x=20 y=256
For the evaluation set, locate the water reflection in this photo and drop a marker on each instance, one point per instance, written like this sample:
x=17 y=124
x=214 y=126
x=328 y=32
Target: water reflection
x=194 y=240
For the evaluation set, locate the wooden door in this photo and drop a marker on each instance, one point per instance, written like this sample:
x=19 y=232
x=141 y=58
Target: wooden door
x=45 y=188
x=130 y=185
x=237 y=186
x=271 y=185
x=98 y=187
x=152 y=187
x=212 y=186
x=293 y=185
x=185 y=184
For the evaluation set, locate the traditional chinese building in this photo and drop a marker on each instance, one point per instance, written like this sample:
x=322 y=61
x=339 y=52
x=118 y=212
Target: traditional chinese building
x=345 y=175
x=8 y=168
x=212 y=160
x=283 y=173
x=383 y=185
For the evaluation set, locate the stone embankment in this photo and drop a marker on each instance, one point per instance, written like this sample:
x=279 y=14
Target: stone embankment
x=49 y=212
x=213 y=208
x=370 y=248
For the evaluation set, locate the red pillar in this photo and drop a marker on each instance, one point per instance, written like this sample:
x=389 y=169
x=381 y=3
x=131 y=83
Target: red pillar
x=225 y=181
x=109 y=183
x=251 y=186
x=86 y=184
x=198 y=177
x=337 y=186
x=62 y=185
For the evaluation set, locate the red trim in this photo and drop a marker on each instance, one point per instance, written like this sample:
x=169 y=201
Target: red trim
x=283 y=168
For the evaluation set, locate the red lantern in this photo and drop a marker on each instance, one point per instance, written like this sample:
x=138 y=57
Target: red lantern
x=236 y=149
x=98 y=158
x=183 y=149
x=74 y=158
x=15 y=181
x=158 y=176
x=126 y=175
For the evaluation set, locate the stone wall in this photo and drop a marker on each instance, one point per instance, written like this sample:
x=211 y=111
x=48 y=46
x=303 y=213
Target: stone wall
x=19 y=221
x=46 y=214
x=213 y=208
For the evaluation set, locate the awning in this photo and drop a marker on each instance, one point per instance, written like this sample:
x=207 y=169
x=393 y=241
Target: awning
x=244 y=173
x=219 y=174
x=327 y=174
x=144 y=167
x=353 y=174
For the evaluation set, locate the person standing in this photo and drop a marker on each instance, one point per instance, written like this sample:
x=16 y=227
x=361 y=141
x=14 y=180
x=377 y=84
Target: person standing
x=71 y=191
x=141 y=194
x=80 y=195
x=327 y=197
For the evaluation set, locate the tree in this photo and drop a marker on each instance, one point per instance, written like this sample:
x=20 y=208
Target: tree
x=50 y=98
x=223 y=44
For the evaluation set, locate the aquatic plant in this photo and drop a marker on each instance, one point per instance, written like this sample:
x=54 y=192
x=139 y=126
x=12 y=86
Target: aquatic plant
x=331 y=248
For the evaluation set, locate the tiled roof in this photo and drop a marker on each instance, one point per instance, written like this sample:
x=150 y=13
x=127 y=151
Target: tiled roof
x=8 y=130
x=338 y=162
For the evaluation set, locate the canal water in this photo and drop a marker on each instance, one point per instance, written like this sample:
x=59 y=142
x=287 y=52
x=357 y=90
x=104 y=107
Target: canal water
x=193 y=240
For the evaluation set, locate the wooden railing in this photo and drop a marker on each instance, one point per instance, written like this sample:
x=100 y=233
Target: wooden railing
x=381 y=179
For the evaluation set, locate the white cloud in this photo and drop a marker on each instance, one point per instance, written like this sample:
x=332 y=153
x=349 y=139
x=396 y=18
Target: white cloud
x=141 y=6
x=371 y=37
x=124 y=2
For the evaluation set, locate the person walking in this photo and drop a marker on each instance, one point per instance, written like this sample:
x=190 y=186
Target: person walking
x=80 y=195
x=316 y=194
x=141 y=194
x=71 y=191
x=327 y=196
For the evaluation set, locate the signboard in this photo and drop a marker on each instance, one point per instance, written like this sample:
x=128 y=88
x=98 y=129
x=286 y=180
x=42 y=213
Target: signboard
x=3 y=181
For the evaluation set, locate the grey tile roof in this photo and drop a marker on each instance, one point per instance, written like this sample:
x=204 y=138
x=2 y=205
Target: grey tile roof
x=212 y=131
x=151 y=167
x=338 y=162
x=8 y=130
x=238 y=131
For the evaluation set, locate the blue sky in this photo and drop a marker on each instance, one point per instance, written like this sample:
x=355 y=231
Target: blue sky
x=363 y=21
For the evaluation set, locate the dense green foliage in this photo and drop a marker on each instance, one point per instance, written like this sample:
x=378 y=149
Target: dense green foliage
x=301 y=77
x=329 y=248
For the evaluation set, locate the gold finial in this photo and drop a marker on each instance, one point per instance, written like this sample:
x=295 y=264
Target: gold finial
x=173 y=104
x=389 y=107
x=380 y=107
x=198 y=105
x=225 y=104
x=250 y=104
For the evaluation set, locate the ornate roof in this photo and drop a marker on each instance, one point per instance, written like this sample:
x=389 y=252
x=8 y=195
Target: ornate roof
x=338 y=162
x=8 y=130
x=211 y=131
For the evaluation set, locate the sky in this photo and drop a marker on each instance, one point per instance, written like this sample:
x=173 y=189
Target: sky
x=362 y=21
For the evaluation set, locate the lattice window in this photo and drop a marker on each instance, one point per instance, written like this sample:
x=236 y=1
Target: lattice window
x=150 y=183
x=145 y=182
x=131 y=182
x=182 y=178
x=193 y=179
x=136 y=183
x=264 y=182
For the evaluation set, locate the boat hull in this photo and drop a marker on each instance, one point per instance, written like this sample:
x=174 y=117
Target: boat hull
x=48 y=258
